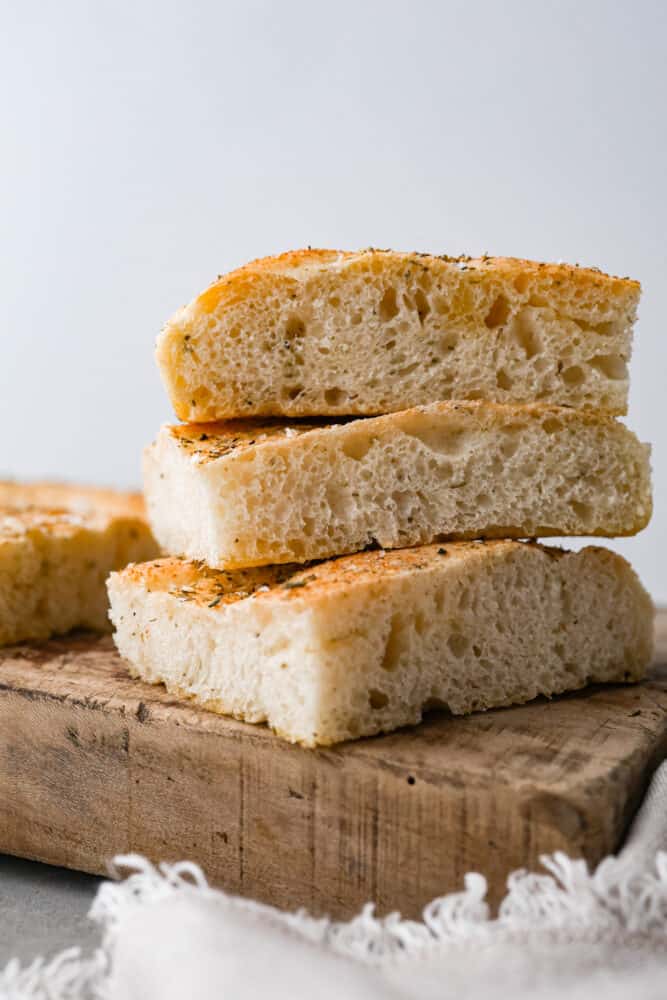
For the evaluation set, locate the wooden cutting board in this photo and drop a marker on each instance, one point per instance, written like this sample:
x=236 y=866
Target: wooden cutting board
x=93 y=763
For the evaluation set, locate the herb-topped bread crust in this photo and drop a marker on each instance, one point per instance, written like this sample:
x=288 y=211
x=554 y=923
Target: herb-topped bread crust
x=324 y=332
x=368 y=642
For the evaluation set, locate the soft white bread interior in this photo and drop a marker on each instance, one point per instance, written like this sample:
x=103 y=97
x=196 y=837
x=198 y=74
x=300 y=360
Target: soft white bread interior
x=57 y=546
x=247 y=494
x=367 y=643
x=324 y=332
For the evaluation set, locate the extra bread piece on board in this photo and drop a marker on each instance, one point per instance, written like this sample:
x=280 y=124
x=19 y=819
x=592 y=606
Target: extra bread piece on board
x=58 y=544
x=246 y=494
x=323 y=332
x=367 y=643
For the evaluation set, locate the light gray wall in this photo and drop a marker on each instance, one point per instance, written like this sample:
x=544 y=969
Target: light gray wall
x=147 y=146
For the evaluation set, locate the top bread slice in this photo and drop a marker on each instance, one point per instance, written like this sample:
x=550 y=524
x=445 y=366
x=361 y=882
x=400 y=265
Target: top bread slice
x=325 y=332
x=58 y=544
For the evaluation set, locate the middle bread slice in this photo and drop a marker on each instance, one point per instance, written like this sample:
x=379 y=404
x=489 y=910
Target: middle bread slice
x=244 y=493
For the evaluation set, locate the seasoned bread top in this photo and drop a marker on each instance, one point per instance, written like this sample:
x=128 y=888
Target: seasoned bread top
x=196 y=583
x=70 y=496
x=205 y=443
x=570 y=279
x=60 y=509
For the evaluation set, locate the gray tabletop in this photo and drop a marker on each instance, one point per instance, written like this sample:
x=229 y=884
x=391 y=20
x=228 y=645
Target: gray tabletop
x=43 y=909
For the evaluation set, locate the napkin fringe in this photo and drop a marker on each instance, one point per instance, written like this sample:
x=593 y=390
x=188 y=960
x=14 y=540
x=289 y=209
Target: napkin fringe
x=569 y=903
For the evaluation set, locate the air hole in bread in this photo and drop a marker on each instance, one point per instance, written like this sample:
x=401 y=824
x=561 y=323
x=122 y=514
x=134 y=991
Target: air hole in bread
x=357 y=447
x=295 y=327
x=435 y=705
x=441 y=305
x=338 y=501
x=403 y=500
x=613 y=366
x=420 y=623
x=437 y=439
x=334 y=396
x=422 y=304
x=377 y=699
x=503 y=381
x=448 y=342
x=584 y=511
x=551 y=425
x=510 y=442
x=388 y=307
x=574 y=375
x=538 y=301
x=483 y=501
x=498 y=314
x=394 y=645
x=292 y=391
x=526 y=334
x=521 y=283
x=443 y=470
x=201 y=395
x=296 y=546
x=458 y=644
x=601 y=328
x=334 y=301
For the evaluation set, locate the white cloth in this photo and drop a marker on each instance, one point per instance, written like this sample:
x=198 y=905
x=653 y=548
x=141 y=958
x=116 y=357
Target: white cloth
x=567 y=934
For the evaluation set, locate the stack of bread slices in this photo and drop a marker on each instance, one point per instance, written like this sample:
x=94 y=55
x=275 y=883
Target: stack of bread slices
x=366 y=438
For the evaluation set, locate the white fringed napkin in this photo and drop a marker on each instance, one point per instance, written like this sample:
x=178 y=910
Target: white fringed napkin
x=569 y=934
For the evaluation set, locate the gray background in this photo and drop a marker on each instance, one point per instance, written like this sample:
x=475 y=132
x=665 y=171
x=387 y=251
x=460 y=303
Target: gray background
x=147 y=146
x=44 y=909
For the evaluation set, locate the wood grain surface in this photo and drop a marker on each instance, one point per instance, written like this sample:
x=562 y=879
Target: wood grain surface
x=93 y=764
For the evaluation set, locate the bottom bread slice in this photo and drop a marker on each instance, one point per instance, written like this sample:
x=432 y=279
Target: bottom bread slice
x=58 y=544
x=366 y=643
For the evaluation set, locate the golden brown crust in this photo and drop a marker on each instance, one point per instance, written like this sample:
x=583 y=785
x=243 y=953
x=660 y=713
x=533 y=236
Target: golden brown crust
x=196 y=583
x=69 y=496
x=237 y=284
x=61 y=509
